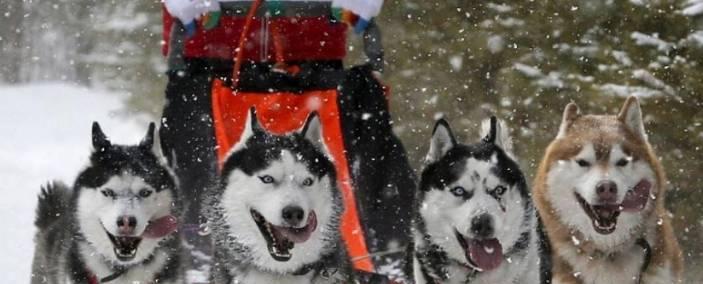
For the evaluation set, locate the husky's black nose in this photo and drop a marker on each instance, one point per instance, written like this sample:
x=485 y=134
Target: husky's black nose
x=126 y=224
x=293 y=215
x=607 y=191
x=482 y=226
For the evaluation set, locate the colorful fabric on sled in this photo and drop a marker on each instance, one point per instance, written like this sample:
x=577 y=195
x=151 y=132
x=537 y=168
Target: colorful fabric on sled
x=356 y=13
x=283 y=112
x=312 y=35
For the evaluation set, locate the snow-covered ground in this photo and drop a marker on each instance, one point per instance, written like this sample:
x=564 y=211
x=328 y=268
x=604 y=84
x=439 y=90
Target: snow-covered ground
x=45 y=135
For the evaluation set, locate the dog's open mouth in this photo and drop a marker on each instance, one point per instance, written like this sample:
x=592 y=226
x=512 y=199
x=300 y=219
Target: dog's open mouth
x=125 y=247
x=481 y=254
x=282 y=239
x=604 y=217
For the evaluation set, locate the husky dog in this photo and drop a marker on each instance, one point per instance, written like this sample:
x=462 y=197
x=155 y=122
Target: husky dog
x=275 y=217
x=115 y=225
x=475 y=222
x=600 y=191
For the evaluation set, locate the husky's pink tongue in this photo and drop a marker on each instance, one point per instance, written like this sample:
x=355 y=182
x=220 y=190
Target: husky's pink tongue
x=486 y=254
x=636 y=199
x=300 y=235
x=161 y=227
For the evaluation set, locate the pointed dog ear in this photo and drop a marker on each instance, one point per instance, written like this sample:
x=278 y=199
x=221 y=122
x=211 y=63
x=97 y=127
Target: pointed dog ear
x=312 y=131
x=148 y=140
x=631 y=116
x=251 y=125
x=100 y=141
x=442 y=140
x=571 y=112
x=493 y=131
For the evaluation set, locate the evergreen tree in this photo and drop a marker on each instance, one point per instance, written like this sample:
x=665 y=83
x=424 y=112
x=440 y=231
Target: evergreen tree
x=525 y=60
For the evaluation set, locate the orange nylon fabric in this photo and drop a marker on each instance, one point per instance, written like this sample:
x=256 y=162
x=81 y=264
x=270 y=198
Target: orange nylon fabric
x=285 y=112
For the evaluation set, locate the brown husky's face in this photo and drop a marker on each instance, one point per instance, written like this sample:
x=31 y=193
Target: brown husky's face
x=602 y=178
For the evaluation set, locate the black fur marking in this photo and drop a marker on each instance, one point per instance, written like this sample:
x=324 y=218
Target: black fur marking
x=148 y=140
x=433 y=262
x=444 y=124
x=77 y=268
x=545 y=249
x=110 y=160
x=262 y=148
x=54 y=201
x=99 y=139
x=493 y=132
x=450 y=167
x=521 y=244
x=307 y=124
x=647 y=257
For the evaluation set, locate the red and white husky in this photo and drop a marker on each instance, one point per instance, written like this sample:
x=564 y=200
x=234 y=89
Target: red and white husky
x=600 y=192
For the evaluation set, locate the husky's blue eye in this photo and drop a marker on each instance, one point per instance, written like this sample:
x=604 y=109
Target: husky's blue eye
x=499 y=190
x=583 y=163
x=266 y=179
x=307 y=182
x=458 y=191
x=144 y=193
x=108 y=193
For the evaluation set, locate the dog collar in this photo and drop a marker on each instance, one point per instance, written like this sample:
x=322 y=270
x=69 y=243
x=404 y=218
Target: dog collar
x=647 y=256
x=119 y=271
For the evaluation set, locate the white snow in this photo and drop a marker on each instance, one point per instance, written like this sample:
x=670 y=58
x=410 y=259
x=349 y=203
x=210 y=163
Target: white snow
x=626 y=91
x=500 y=8
x=528 y=70
x=622 y=57
x=495 y=44
x=552 y=80
x=651 y=40
x=693 y=8
x=697 y=38
x=457 y=62
x=652 y=81
x=45 y=136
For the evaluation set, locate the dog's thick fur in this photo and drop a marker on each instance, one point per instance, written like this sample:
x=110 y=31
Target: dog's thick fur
x=591 y=151
x=77 y=228
x=263 y=175
x=462 y=186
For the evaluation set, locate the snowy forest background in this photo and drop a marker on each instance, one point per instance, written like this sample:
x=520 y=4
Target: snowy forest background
x=522 y=60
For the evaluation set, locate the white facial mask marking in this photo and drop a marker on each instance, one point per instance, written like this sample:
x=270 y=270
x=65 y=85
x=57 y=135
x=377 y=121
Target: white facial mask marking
x=98 y=213
x=244 y=192
x=444 y=213
x=566 y=178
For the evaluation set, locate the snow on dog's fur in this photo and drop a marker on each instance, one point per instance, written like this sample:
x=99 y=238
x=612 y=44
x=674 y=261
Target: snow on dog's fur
x=117 y=222
x=600 y=191
x=276 y=216
x=475 y=221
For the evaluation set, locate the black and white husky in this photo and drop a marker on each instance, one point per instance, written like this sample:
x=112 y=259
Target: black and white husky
x=115 y=225
x=475 y=222
x=275 y=217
